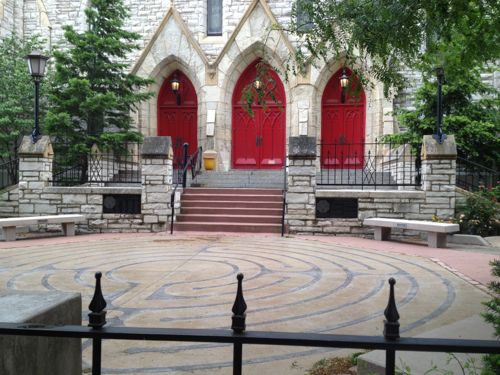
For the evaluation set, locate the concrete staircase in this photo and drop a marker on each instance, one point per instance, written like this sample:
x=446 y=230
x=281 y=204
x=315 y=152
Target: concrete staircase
x=230 y=210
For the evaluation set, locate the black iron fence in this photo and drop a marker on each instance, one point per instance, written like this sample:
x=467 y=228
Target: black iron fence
x=390 y=342
x=9 y=173
x=369 y=165
x=472 y=176
x=100 y=165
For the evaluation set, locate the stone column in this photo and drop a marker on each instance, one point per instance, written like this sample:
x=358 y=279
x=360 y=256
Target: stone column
x=35 y=173
x=300 y=197
x=439 y=163
x=156 y=172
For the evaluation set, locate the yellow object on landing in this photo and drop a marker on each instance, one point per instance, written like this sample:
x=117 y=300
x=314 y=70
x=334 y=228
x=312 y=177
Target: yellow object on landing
x=209 y=158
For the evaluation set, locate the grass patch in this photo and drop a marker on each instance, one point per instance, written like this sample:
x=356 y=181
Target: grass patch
x=333 y=366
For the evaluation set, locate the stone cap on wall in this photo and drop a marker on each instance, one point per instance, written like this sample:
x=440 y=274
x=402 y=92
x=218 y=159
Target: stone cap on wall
x=157 y=147
x=431 y=150
x=42 y=148
x=302 y=147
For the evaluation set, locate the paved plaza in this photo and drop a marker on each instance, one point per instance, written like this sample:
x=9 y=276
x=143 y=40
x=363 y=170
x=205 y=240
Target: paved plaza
x=299 y=284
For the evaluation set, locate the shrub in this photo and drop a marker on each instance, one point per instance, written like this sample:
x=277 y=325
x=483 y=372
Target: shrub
x=480 y=214
x=492 y=315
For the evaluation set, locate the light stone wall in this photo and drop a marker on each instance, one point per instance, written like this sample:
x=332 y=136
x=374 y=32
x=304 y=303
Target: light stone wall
x=157 y=188
x=9 y=202
x=11 y=18
x=38 y=197
x=436 y=197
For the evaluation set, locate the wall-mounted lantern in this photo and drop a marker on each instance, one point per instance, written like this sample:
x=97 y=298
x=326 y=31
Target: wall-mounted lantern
x=176 y=85
x=344 y=79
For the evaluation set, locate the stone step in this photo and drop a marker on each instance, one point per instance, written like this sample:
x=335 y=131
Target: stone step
x=227 y=227
x=240 y=179
x=246 y=219
x=231 y=211
x=231 y=197
x=232 y=204
x=232 y=191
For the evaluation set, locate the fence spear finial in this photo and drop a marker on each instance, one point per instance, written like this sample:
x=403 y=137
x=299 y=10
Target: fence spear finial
x=239 y=308
x=391 y=324
x=97 y=317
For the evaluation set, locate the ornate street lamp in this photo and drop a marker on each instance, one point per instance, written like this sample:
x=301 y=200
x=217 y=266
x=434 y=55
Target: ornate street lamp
x=36 y=65
x=439 y=136
x=175 y=85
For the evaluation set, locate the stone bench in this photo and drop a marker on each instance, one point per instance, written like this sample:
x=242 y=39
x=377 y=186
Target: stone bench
x=9 y=225
x=436 y=232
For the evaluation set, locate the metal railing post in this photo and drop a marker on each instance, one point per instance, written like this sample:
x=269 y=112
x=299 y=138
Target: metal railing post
x=97 y=320
x=184 y=164
x=391 y=329
x=238 y=325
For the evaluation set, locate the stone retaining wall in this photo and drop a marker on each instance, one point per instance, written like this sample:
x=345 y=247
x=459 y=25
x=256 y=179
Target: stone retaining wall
x=38 y=197
x=436 y=197
x=9 y=202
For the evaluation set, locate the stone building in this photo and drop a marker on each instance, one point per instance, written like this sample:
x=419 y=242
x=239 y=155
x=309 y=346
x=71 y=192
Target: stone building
x=212 y=47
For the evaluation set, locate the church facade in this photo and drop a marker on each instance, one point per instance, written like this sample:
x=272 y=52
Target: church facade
x=210 y=49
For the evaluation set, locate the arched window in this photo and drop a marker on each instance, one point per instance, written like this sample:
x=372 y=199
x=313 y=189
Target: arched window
x=214 y=17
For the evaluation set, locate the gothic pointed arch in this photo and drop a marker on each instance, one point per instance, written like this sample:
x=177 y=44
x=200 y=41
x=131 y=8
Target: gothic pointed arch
x=343 y=123
x=177 y=113
x=258 y=141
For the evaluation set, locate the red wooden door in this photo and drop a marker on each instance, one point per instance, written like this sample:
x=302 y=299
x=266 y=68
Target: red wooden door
x=342 y=125
x=178 y=118
x=258 y=142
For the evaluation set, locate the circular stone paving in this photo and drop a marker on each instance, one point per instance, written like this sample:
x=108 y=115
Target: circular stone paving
x=189 y=281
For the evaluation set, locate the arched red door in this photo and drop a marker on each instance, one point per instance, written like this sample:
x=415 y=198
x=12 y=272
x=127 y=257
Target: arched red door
x=342 y=124
x=177 y=114
x=259 y=142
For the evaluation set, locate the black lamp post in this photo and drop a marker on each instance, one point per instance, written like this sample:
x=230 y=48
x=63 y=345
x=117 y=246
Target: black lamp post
x=439 y=136
x=36 y=65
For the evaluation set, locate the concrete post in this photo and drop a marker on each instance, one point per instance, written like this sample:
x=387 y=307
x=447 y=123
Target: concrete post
x=156 y=170
x=301 y=198
x=439 y=163
x=35 y=173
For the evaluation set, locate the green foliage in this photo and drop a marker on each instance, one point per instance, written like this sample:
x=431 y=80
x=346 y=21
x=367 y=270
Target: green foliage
x=93 y=95
x=492 y=361
x=252 y=96
x=480 y=215
x=470 y=112
x=376 y=38
x=17 y=93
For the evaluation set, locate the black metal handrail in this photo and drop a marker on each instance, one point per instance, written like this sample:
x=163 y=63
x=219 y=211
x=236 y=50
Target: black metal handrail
x=238 y=336
x=9 y=173
x=192 y=162
x=285 y=188
x=472 y=176
x=369 y=164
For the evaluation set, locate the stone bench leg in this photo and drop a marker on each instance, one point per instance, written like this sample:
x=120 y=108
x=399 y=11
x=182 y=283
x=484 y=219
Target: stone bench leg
x=9 y=233
x=68 y=229
x=436 y=239
x=382 y=233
